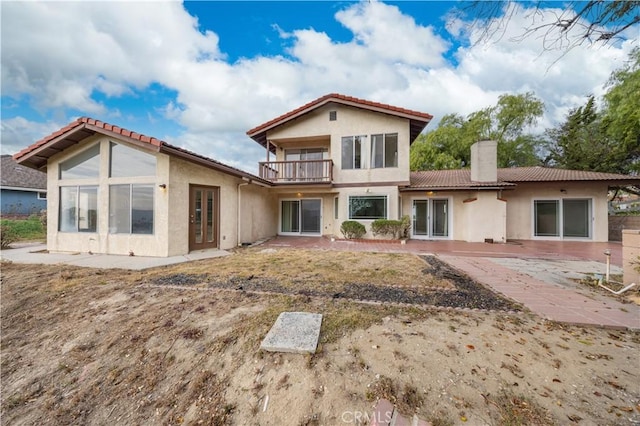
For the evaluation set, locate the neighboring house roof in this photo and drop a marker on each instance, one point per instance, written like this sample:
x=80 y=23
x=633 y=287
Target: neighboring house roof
x=37 y=154
x=508 y=178
x=418 y=120
x=15 y=176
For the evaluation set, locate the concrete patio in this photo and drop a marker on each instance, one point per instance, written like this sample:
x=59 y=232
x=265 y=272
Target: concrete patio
x=37 y=254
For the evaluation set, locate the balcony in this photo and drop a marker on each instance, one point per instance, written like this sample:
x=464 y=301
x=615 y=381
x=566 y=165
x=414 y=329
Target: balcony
x=298 y=171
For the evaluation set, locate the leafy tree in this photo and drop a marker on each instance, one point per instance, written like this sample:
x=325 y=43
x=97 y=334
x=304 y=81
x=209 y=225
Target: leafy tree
x=449 y=146
x=580 y=143
x=579 y=22
x=606 y=140
x=621 y=115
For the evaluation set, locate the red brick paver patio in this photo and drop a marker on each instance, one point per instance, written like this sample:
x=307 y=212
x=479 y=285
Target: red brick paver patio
x=529 y=249
x=545 y=299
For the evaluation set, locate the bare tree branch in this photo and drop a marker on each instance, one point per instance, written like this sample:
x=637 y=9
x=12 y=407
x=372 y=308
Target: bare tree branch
x=593 y=22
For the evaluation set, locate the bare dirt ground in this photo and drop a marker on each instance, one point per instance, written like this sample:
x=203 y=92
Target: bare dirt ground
x=180 y=345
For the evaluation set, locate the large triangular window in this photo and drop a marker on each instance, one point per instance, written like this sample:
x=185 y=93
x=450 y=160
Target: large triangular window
x=129 y=162
x=84 y=165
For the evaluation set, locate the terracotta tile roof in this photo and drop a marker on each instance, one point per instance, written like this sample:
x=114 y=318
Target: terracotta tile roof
x=37 y=154
x=461 y=178
x=547 y=174
x=420 y=118
x=14 y=175
x=451 y=179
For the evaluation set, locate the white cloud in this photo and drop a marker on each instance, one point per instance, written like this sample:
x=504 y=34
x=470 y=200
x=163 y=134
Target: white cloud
x=62 y=54
x=18 y=133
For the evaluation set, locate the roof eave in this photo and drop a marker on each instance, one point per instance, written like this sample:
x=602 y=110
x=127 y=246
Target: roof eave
x=457 y=188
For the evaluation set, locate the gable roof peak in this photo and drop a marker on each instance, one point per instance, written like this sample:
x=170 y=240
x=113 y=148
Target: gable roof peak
x=419 y=120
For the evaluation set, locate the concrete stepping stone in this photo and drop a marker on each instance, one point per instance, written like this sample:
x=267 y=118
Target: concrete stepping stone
x=385 y=414
x=294 y=332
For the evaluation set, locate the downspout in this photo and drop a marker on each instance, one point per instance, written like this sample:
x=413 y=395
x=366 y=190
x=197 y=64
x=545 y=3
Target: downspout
x=240 y=211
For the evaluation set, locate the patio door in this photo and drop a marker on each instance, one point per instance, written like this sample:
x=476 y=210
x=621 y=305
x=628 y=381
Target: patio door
x=203 y=217
x=565 y=218
x=430 y=218
x=298 y=217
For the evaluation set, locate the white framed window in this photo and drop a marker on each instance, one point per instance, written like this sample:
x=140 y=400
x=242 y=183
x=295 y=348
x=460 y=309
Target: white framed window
x=42 y=195
x=78 y=209
x=352 y=148
x=336 y=210
x=384 y=150
x=368 y=207
x=131 y=208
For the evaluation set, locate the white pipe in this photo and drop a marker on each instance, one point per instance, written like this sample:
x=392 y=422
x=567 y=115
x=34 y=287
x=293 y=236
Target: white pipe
x=619 y=292
x=240 y=212
x=607 y=253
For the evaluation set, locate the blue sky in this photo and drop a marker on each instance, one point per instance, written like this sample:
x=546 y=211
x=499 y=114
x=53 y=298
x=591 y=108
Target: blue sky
x=199 y=74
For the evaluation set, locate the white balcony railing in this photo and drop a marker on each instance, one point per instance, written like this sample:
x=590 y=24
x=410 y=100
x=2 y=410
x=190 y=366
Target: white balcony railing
x=298 y=171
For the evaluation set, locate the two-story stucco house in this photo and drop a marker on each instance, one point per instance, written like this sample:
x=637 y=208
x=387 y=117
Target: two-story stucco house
x=337 y=158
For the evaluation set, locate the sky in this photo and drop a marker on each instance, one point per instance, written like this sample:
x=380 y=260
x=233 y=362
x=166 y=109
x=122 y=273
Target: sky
x=200 y=74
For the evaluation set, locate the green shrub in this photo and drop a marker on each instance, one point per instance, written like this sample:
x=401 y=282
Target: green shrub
x=394 y=228
x=351 y=229
x=7 y=236
x=29 y=229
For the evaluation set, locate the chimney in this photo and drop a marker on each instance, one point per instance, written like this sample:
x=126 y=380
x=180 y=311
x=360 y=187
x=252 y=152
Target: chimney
x=484 y=161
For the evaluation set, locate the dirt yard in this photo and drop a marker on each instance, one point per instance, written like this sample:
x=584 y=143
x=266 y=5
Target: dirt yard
x=180 y=345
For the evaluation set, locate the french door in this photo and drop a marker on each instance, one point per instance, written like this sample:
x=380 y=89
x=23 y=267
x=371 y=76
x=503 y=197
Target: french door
x=301 y=217
x=430 y=218
x=204 y=210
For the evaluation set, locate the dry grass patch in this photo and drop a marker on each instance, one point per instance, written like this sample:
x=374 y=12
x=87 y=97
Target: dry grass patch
x=314 y=268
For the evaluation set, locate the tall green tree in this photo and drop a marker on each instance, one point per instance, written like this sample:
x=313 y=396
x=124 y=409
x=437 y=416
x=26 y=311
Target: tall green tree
x=580 y=142
x=621 y=115
x=607 y=140
x=449 y=146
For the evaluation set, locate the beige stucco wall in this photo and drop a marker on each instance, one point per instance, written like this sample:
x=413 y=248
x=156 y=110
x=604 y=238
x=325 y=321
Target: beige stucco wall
x=485 y=218
x=259 y=213
x=391 y=192
x=102 y=241
x=350 y=122
x=171 y=207
x=183 y=174
x=473 y=215
x=520 y=206
x=630 y=253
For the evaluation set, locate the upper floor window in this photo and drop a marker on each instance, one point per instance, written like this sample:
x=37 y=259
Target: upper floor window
x=384 y=150
x=352 y=152
x=128 y=162
x=82 y=166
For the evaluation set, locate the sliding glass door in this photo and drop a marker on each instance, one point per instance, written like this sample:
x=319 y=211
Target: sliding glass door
x=431 y=218
x=566 y=218
x=301 y=216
